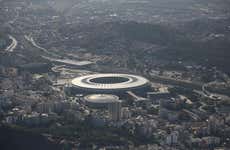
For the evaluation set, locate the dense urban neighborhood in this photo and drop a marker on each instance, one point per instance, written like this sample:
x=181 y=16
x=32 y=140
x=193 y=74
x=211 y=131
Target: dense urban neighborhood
x=105 y=75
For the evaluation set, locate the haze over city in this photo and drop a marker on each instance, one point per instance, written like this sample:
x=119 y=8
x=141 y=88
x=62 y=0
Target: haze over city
x=114 y=74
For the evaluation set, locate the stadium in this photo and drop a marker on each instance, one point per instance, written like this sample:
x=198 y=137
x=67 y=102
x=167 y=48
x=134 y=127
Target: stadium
x=100 y=100
x=110 y=83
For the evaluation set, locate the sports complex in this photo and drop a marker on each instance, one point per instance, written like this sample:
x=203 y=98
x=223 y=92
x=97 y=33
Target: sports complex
x=110 y=83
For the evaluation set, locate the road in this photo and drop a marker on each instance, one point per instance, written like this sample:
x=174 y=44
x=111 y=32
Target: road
x=13 y=44
x=213 y=96
x=189 y=84
x=31 y=40
x=183 y=83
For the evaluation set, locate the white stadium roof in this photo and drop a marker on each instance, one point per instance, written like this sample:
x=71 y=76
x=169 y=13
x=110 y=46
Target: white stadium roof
x=109 y=81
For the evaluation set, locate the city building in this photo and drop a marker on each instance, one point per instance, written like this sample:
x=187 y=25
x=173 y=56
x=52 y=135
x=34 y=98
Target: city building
x=155 y=97
x=170 y=108
x=172 y=138
x=126 y=113
x=100 y=100
x=115 y=110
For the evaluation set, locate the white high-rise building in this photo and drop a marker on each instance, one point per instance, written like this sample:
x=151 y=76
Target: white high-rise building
x=172 y=138
x=126 y=113
x=115 y=110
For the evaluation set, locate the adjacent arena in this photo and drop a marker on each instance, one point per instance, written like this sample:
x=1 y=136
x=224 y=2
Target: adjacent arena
x=110 y=83
x=100 y=100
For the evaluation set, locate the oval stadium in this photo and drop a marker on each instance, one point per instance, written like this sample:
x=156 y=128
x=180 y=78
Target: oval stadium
x=110 y=83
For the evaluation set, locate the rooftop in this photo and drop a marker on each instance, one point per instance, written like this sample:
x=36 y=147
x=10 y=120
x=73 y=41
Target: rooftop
x=109 y=81
x=101 y=98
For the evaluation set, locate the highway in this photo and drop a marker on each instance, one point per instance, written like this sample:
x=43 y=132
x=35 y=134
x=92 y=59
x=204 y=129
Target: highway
x=211 y=95
x=31 y=40
x=13 y=44
x=183 y=83
x=188 y=84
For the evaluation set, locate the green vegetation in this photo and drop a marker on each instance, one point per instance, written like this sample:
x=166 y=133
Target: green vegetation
x=143 y=43
x=89 y=135
x=152 y=33
x=209 y=108
x=19 y=138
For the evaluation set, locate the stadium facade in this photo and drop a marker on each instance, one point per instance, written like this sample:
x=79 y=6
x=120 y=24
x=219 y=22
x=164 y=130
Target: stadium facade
x=110 y=84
